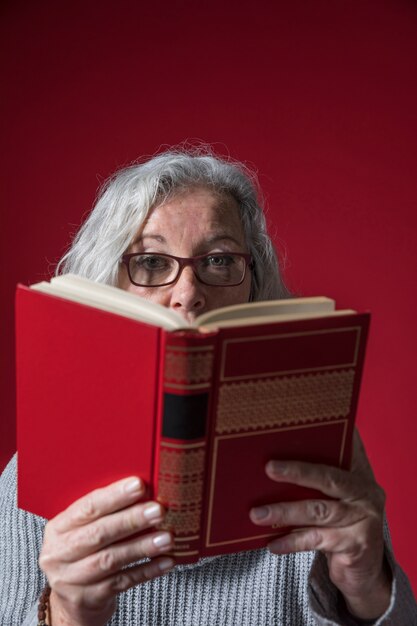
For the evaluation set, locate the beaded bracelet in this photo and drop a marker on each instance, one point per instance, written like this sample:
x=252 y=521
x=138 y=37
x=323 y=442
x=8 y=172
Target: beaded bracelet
x=43 y=606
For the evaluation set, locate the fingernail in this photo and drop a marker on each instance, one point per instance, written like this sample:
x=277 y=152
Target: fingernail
x=260 y=513
x=152 y=511
x=133 y=485
x=277 y=467
x=165 y=564
x=162 y=541
x=279 y=546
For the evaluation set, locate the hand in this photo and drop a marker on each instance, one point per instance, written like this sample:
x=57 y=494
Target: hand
x=348 y=529
x=86 y=546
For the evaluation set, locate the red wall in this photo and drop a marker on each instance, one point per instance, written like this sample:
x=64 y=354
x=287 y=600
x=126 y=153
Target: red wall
x=321 y=96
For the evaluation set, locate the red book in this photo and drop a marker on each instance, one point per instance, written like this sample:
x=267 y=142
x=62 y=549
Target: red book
x=196 y=412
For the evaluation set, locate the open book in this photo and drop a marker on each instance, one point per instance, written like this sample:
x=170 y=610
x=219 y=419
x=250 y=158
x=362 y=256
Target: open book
x=107 y=298
x=111 y=385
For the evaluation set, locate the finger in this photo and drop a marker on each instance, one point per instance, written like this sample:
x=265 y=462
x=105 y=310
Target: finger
x=124 y=580
x=100 y=502
x=308 y=513
x=96 y=595
x=85 y=540
x=331 y=481
x=112 y=559
x=330 y=540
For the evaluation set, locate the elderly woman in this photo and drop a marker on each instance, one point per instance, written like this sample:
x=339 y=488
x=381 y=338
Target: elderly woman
x=336 y=569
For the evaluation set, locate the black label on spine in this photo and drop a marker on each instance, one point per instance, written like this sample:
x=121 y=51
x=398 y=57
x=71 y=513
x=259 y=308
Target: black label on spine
x=184 y=416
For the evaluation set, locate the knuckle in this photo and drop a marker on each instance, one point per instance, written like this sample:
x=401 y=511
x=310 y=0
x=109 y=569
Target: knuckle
x=87 y=510
x=333 y=481
x=95 y=535
x=120 y=582
x=318 y=511
x=49 y=558
x=355 y=553
x=106 y=561
x=131 y=520
x=44 y=561
x=72 y=542
x=129 y=525
x=57 y=582
x=338 y=481
x=314 y=539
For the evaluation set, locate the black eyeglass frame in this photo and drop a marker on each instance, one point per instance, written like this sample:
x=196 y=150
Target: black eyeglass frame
x=183 y=262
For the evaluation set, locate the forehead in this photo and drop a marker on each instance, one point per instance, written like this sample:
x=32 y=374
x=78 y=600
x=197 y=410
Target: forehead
x=198 y=209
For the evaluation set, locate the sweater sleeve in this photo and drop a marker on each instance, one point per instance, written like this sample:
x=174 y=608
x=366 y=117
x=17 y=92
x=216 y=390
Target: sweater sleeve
x=21 y=580
x=328 y=610
x=31 y=618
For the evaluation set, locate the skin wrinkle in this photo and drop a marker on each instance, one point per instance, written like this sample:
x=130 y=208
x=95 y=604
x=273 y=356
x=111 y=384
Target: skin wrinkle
x=319 y=511
x=87 y=512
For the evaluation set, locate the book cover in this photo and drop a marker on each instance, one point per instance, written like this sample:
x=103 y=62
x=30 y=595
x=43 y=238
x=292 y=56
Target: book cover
x=196 y=414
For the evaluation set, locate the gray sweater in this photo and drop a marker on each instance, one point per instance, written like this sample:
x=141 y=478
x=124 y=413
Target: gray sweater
x=253 y=588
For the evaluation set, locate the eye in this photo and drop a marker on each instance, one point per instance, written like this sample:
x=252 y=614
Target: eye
x=152 y=262
x=219 y=260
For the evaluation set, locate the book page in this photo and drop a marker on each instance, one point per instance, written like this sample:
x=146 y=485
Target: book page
x=119 y=301
x=112 y=299
x=269 y=308
x=269 y=319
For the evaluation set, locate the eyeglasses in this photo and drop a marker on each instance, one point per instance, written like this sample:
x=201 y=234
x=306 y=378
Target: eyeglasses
x=224 y=269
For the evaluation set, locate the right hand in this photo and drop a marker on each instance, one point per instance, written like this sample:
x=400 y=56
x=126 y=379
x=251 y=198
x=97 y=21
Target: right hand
x=87 y=545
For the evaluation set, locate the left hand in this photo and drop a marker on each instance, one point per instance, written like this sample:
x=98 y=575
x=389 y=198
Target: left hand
x=347 y=529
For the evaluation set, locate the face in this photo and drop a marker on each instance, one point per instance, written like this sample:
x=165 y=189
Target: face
x=192 y=223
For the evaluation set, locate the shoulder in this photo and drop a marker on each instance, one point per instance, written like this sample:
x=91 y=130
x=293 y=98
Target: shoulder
x=30 y=527
x=8 y=482
x=21 y=536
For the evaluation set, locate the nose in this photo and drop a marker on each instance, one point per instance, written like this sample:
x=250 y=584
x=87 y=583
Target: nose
x=187 y=296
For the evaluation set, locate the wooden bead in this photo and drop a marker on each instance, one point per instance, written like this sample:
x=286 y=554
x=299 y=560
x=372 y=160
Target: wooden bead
x=43 y=605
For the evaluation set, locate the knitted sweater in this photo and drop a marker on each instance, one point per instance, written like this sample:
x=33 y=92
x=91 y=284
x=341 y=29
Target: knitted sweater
x=254 y=588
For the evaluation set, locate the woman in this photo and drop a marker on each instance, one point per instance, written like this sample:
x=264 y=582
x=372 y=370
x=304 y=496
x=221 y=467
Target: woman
x=336 y=569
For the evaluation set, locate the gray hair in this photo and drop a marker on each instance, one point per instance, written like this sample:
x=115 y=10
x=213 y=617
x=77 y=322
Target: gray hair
x=127 y=197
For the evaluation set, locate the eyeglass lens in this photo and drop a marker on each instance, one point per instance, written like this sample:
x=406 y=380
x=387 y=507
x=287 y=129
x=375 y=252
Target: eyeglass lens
x=154 y=270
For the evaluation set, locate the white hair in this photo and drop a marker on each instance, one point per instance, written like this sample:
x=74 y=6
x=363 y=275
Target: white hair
x=127 y=197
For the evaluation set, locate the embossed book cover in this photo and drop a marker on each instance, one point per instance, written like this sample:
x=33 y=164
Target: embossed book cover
x=197 y=412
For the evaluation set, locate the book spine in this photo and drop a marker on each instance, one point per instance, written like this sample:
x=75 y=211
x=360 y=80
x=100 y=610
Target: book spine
x=186 y=380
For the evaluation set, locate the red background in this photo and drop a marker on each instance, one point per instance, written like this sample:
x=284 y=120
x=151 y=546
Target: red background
x=320 y=95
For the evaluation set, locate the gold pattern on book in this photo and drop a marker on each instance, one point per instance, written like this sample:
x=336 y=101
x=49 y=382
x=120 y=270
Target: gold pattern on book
x=183 y=464
x=182 y=522
x=188 y=367
x=180 y=488
x=268 y=403
x=188 y=492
